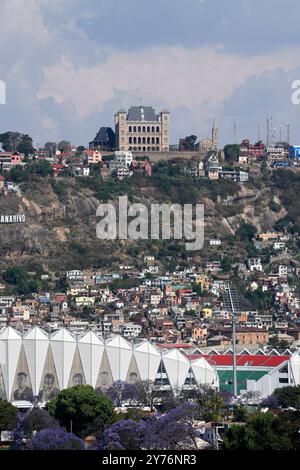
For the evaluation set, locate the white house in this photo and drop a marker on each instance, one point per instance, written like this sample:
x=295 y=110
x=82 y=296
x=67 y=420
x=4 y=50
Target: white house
x=254 y=264
x=130 y=330
x=216 y=242
x=124 y=157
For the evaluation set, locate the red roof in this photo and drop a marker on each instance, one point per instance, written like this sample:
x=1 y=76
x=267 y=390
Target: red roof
x=175 y=345
x=58 y=166
x=242 y=359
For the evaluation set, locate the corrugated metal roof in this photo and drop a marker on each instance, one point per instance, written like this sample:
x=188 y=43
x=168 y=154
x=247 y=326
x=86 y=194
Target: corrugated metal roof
x=242 y=360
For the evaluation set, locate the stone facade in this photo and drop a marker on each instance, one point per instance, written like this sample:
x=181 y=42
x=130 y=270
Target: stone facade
x=141 y=130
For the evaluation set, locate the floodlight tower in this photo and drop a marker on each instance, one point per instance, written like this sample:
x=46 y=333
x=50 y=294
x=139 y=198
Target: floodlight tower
x=288 y=133
x=233 y=314
x=232 y=304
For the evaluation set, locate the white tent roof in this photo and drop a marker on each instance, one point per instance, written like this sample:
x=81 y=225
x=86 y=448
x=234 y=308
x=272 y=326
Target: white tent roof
x=177 y=367
x=91 y=349
x=63 y=346
x=147 y=359
x=119 y=353
x=36 y=344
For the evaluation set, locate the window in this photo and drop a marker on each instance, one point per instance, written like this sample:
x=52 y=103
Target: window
x=144 y=128
x=139 y=129
x=134 y=128
x=283 y=380
x=157 y=140
x=134 y=140
x=139 y=140
x=130 y=140
x=148 y=128
x=157 y=128
x=148 y=140
x=130 y=129
x=152 y=129
x=153 y=140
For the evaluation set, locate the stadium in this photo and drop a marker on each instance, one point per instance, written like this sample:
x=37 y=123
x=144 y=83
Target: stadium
x=37 y=365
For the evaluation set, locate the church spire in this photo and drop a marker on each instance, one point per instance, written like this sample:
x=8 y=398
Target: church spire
x=214 y=134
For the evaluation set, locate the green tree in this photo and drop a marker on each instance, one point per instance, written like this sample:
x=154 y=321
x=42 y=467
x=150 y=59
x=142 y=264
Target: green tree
x=50 y=147
x=17 y=174
x=64 y=145
x=210 y=401
x=8 y=416
x=226 y=264
x=246 y=232
x=231 y=153
x=261 y=300
x=81 y=410
x=265 y=431
x=288 y=396
x=26 y=145
x=16 y=275
x=240 y=413
x=42 y=168
x=277 y=343
x=17 y=142
x=188 y=143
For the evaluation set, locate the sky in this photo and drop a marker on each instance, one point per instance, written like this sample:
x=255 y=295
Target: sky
x=69 y=65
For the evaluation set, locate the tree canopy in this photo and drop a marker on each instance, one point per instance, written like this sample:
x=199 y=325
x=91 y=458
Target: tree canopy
x=17 y=142
x=81 y=409
x=231 y=153
x=8 y=416
x=265 y=431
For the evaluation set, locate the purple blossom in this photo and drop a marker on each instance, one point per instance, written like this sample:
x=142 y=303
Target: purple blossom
x=121 y=392
x=169 y=431
x=56 y=439
x=123 y=435
x=271 y=402
x=18 y=443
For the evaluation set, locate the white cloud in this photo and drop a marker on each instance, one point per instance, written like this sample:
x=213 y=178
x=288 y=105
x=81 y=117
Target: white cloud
x=197 y=79
x=59 y=83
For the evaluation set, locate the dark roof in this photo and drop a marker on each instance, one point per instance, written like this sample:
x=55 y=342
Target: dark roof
x=104 y=134
x=141 y=113
x=104 y=138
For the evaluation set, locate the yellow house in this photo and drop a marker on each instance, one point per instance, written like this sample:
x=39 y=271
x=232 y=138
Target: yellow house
x=200 y=332
x=207 y=312
x=26 y=314
x=203 y=282
x=93 y=156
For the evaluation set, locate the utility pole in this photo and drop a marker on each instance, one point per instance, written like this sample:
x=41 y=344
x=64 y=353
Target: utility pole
x=231 y=302
x=233 y=341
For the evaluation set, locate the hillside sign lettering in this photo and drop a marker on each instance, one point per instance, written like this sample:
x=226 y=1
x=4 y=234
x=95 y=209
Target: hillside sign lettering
x=12 y=219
